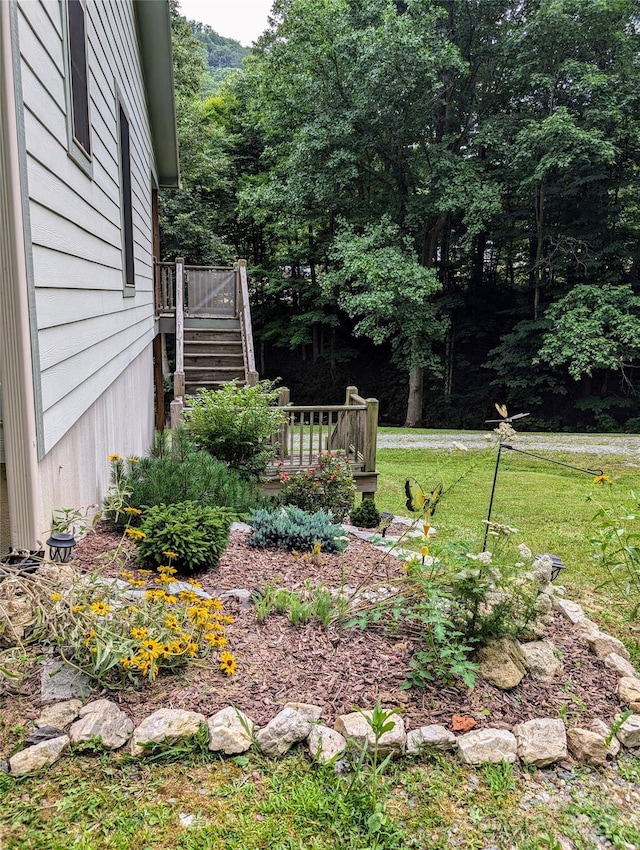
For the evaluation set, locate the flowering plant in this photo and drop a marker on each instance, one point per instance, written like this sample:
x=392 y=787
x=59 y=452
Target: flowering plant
x=328 y=486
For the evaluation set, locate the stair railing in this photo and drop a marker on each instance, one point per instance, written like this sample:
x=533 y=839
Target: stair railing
x=244 y=314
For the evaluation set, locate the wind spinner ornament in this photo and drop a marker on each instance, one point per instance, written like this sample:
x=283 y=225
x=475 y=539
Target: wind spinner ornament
x=504 y=413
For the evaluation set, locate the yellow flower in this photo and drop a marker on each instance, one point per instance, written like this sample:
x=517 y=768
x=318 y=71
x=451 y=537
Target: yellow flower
x=134 y=511
x=114 y=457
x=139 y=634
x=56 y=597
x=100 y=608
x=602 y=479
x=170 y=600
x=228 y=663
x=198 y=614
x=163 y=579
x=171 y=622
x=77 y=608
x=194 y=583
x=145 y=572
x=133 y=460
x=169 y=571
x=188 y=596
x=156 y=595
x=424 y=551
x=135 y=533
x=193 y=649
x=171 y=554
x=152 y=647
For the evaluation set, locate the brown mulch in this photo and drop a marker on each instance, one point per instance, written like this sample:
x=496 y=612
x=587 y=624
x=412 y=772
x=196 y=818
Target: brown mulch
x=339 y=669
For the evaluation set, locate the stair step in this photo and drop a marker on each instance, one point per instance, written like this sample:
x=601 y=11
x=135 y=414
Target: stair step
x=212 y=361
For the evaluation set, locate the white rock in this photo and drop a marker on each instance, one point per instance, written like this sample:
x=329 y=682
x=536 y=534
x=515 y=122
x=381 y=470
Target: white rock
x=103 y=720
x=587 y=746
x=282 y=732
x=620 y=666
x=586 y=628
x=541 y=660
x=325 y=744
x=571 y=610
x=603 y=729
x=629 y=692
x=167 y=725
x=38 y=756
x=313 y=713
x=230 y=731
x=355 y=727
x=542 y=741
x=629 y=733
x=60 y=714
x=433 y=737
x=603 y=644
x=487 y=745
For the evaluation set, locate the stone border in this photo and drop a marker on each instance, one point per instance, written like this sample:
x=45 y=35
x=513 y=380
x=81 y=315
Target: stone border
x=539 y=742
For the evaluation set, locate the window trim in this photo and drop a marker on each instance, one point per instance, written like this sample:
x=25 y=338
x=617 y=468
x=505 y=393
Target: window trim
x=126 y=220
x=75 y=149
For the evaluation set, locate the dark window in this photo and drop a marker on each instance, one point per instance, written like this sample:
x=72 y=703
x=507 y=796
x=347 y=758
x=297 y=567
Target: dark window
x=79 y=85
x=127 y=211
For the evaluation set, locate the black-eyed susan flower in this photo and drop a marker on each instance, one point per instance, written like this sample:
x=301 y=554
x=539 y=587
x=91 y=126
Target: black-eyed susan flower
x=100 y=608
x=228 y=663
x=602 y=479
x=111 y=458
x=56 y=597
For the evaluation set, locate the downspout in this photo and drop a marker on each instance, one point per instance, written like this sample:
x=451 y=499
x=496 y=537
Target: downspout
x=15 y=333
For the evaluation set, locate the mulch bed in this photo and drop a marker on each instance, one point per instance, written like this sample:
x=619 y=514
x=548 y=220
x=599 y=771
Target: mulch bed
x=339 y=669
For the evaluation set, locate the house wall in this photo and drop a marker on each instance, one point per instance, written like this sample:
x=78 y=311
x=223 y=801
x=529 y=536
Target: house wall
x=93 y=362
x=89 y=331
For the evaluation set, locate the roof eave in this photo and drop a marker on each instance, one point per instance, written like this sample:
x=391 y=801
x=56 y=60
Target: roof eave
x=154 y=33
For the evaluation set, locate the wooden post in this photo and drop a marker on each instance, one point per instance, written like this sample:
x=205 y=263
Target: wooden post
x=158 y=380
x=178 y=375
x=371 y=435
x=350 y=391
x=283 y=400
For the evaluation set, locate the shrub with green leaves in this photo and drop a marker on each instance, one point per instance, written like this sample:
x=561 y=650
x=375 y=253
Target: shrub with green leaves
x=291 y=528
x=328 y=486
x=235 y=423
x=177 y=471
x=195 y=534
x=366 y=514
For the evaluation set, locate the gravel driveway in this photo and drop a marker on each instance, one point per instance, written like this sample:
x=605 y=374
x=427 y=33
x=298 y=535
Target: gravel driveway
x=601 y=444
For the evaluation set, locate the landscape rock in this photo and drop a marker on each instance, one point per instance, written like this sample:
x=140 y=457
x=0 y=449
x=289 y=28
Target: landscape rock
x=481 y=746
x=587 y=747
x=603 y=644
x=603 y=729
x=620 y=666
x=571 y=610
x=35 y=758
x=629 y=692
x=629 y=733
x=313 y=713
x=103 y=720
x=586 y=628
x=325 y=744
x=354 y=727
x=282 y=732
x=541 y=660
x=59 y=714
x=16 y=614
x=61 y=681
x=542 y=741
x=167 y=725
x=42 y=733
x=433 y=737
x=230 y=731
x=502 y=663
x=177 y=587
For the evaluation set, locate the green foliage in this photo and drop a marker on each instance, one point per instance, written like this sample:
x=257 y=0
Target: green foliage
x=366 y=514
x=177 y=471
x=294 y=529
x=116 y=501
x=197 y=534
x=308 y=605
x=235 y=424
x=328 y=486
x=616 y=546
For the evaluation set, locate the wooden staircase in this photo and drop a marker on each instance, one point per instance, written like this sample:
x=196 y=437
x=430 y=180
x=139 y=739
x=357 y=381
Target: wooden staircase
x=213 y=356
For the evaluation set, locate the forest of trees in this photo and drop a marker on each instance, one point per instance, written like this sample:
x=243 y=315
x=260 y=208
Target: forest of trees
x=439 y=201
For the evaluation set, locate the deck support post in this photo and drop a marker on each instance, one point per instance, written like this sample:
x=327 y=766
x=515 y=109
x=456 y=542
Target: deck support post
x=178 y=375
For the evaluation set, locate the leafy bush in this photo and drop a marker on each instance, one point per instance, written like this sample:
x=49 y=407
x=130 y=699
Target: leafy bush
x=294 y=529
x=195 y=534
x=177 y=471
x=235 y=423
x=329 y=486
x=366 y=514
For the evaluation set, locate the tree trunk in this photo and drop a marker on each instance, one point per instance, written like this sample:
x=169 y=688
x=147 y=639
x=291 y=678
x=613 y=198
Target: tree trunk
x=414 y=403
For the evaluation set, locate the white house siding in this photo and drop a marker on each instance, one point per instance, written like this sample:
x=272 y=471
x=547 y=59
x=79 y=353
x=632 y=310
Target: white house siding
x=94 y=341
x=89 y=332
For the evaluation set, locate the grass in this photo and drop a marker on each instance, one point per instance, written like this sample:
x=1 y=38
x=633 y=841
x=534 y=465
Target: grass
x=110 y=802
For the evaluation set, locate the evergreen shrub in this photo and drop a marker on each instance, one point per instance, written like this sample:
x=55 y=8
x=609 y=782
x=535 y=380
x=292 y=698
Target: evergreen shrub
x=291 y=528
x=195 y=536
x=366 y=514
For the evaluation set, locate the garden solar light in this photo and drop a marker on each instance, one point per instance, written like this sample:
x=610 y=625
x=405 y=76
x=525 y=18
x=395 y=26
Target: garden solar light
x=60 y=547
x=557 y=564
